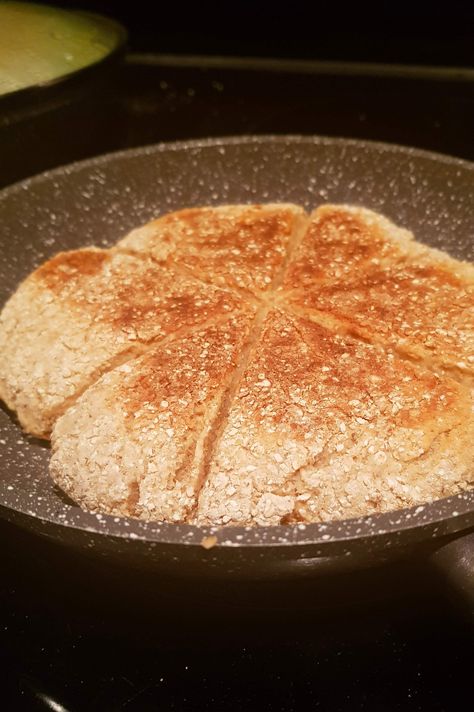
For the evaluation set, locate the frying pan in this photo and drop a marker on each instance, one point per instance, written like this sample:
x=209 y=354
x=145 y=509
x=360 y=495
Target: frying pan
x=96 y=201
x=79 y=95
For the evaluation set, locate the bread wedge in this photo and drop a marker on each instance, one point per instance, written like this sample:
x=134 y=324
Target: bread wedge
x=326 y=427
x=369 y=278
x=135 y=443
x=82 y=313
x=232 y=246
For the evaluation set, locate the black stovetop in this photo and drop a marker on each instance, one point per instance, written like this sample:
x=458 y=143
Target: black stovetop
x=80 y=635
x=68 y=642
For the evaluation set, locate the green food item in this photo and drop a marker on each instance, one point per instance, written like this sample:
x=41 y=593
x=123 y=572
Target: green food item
x=39 y=44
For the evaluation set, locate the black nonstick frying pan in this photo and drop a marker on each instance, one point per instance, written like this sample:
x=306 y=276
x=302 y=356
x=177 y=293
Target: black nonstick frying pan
x=97 y=201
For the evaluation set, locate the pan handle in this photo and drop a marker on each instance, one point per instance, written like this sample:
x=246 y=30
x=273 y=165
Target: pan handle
x=455 y=562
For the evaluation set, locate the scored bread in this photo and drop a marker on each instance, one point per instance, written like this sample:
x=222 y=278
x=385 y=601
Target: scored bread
x=341 y=240
x=237 y=246
x=325 y=427
x=248 y=365
x=424 y=311
x=135 y=442
x=374 y=281
x=81 y=313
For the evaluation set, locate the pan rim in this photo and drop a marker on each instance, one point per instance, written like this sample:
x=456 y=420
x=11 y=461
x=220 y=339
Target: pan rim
x=163 y=146
x=443 y=516
x=440 y=518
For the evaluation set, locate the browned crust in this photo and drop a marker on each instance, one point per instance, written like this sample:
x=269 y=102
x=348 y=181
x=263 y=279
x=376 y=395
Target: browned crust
x=325 y=426
x=82 y=313
x=340 y=240
x=299 y=416
x=386 y=289
x=237 y=246
x=67 y=268
x=133 y=443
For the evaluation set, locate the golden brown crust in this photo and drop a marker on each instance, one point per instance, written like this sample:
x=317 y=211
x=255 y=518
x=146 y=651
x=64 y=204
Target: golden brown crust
x=68 y=268
x=82 y=313
x=401 y=294
x=341 y=240
x=186 y=402
x=133 y=444
x=424 y=312
x=240 y=247
x=131 y=294
x=325 y=426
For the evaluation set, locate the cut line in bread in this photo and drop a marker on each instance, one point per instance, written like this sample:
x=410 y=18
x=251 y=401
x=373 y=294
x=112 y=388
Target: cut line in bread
x=341 y=240
x=229 y=394
x=256 y=298
x=72 y=318
x=326 y=427
x=344 y=327
x=134 y=442
x=408 y=297
x=232 y=246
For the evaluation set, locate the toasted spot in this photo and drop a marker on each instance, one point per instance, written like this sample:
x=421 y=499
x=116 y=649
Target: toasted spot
x=67 y=267
x=341 y=239
x=240 y=247
x=346 y=429
x=423 y=310
x=120 y=450
x=64 y=327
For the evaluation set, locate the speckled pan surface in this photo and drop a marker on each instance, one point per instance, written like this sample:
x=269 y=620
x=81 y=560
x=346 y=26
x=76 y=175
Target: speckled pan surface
x=97 y=201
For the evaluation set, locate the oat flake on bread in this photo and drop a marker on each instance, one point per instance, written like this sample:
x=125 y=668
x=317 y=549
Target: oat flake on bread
x=248 y=364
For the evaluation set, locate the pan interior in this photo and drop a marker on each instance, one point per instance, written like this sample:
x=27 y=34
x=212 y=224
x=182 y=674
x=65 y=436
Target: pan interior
x=99 y=200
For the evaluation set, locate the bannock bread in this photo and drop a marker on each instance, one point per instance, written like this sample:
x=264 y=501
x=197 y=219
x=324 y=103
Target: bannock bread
x=324 y=427
x=248 y=364
x=82 y=313
x=371 y=279
x=135 y=442
x=236 y=246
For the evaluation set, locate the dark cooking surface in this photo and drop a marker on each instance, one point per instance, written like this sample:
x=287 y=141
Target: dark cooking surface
x=92 y=640
x=58 y=636
x=161 y=99
x=95 y=201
